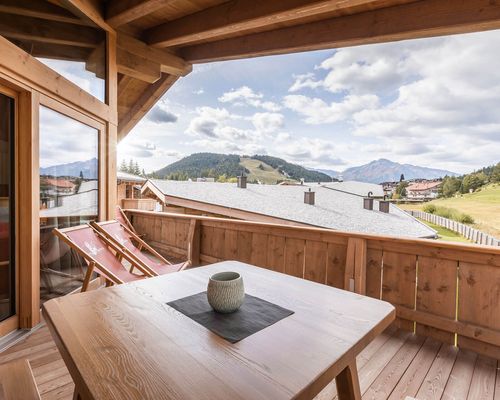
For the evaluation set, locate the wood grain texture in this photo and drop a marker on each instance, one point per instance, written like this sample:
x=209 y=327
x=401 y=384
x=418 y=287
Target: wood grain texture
x=155 y=349
x=17 y=382
x=437 y=293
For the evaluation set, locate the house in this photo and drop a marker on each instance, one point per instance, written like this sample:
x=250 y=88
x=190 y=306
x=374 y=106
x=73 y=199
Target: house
x=423 y=189
x=130 y=53
x=332 y=209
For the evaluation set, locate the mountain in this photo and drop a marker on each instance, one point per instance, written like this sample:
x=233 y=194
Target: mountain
x=383 y=170
x=330 y=172
x=88 y=168
x=266 y=169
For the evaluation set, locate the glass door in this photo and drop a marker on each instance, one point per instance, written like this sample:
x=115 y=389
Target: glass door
x=7 y=223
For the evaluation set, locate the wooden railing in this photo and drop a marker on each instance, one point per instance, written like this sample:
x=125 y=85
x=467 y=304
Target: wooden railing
x=444 y=290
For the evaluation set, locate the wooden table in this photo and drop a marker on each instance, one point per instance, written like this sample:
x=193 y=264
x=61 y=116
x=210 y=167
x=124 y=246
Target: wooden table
x=124 y=342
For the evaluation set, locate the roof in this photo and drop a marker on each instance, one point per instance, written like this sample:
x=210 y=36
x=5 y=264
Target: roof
x=83 y=204
x=61 y=183
x=333 y=209
x=125 y=176
x=359 y=188
x=421 y=186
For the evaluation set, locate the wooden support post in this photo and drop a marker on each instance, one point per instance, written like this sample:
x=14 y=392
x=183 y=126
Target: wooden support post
x=348 y=383
x=194 y=238
x=355 y=269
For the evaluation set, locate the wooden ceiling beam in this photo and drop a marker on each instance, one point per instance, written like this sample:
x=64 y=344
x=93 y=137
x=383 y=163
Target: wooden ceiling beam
x=92 y=10
x=38 y=30
x=170 y=63
x=39 y=9
x=409 y=21
x=137 y=67
x=144 y=103
x=121 y=12
x=54 y=51
x=240 y=15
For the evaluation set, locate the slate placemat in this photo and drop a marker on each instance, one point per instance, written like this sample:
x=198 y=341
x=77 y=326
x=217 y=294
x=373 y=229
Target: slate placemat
x=254 y=315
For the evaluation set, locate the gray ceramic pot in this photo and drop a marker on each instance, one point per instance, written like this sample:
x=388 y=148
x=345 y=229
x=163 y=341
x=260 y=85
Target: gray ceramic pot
x=225 y=292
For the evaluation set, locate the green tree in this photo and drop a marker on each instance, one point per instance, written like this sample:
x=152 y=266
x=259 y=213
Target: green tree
x=123 y=166
x=495 y=174
x=473 y=182
x=451 y=185
x=401 y=189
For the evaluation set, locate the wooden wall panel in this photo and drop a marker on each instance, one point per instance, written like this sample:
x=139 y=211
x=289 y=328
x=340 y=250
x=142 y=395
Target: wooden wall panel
x=276 y=253
x=399 y=279
x=374 y=273
x=245 y=246
x=479 y=303
x=335 y=267
x=316 y=254
x=294 y=257
x=436 y=294
x=231 y=245
x=259 y=249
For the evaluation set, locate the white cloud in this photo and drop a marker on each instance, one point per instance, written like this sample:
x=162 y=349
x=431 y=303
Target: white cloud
x=305 y=81
x=311 y=152
x=246 y=96
x=268 y=122
x=317 y=111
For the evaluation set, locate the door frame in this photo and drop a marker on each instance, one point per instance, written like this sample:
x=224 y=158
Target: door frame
x=12 y=322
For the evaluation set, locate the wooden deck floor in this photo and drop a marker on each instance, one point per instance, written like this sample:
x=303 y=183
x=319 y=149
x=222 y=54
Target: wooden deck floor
x=395 y=365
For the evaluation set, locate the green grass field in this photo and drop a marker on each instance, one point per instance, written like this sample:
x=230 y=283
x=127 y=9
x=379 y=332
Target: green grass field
x=445 y=234
x=268 y=175
x=483 y=206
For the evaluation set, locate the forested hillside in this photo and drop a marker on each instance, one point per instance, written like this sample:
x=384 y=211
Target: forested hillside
x=293 y=171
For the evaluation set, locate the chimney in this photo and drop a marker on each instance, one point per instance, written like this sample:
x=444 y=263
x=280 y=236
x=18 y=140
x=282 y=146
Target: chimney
x=242 y=182
x=368 y=202
x=383 y=205
x=309 y=197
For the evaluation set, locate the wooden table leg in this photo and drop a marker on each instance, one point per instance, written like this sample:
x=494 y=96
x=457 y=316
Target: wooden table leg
x=348 y=383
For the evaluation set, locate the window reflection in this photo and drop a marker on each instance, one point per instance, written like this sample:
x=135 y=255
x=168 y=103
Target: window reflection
x=7 y=264
x=68 y=196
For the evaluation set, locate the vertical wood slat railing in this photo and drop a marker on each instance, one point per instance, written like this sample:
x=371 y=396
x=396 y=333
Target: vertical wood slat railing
x=444 y=290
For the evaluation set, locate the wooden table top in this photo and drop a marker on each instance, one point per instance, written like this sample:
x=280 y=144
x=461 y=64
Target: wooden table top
x=124 y=342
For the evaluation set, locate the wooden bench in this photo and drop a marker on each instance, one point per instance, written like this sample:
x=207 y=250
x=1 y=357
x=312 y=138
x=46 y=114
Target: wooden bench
x=17 y=382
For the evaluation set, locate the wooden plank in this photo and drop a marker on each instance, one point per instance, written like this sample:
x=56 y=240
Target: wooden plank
x=39 y=9
x=121 y=12
x=315 y=261
x=244 y=246
x=169 y=63
x=240 y=15
x=414 y=375
x=436 y=294
x=483 y=380
x=382 y=386
x=399 y=279
x=276 y=253
x=194 y=240
x=479 y=291
x=374 y=273
x=54 y=32
x=408 y=21
x=460 y=378
x=348 y=383
x=17 y=382
x=435 y=380
x=294 y=257
x=231 y=245
x=137 y=67
x=259 y=250
x=336 y=262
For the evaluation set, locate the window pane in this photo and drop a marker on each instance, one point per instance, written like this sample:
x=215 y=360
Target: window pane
x=7 y=264
x=68 y=196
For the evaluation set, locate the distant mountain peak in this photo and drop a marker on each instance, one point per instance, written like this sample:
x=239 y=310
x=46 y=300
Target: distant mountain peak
x=384 y=170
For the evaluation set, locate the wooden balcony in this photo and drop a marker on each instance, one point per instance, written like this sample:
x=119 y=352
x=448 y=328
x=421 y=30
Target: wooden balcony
x=445 y=343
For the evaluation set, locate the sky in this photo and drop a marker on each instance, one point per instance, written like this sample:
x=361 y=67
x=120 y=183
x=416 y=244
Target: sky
x=429 y=102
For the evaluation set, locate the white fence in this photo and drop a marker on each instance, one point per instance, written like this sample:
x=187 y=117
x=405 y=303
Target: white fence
x=464 y=230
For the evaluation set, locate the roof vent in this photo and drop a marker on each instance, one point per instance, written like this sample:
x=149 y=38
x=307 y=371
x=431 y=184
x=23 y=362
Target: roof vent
x=383 y=205
x=368 y=202
x=309 y=197
x=242 y=182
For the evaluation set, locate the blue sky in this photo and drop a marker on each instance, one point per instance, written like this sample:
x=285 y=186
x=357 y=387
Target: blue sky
x=431 y=102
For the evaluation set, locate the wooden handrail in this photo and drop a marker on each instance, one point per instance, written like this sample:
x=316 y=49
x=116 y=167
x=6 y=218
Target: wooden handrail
x=444 y=290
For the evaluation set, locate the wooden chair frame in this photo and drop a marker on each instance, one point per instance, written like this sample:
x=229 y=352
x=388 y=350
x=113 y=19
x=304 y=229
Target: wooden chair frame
x=129 y=226
x=141 y=245
x=93 y=263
